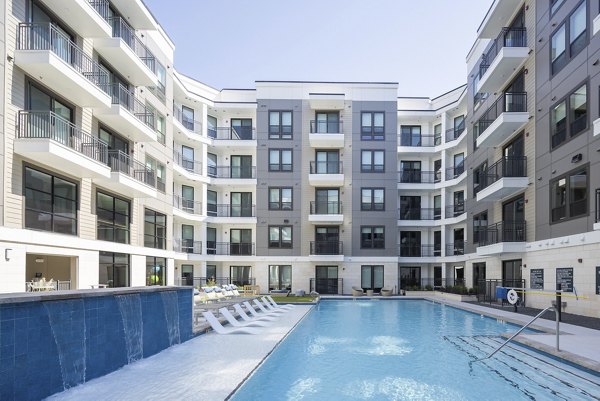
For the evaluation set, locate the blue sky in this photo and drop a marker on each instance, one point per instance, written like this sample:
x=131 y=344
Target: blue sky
x=422 y=44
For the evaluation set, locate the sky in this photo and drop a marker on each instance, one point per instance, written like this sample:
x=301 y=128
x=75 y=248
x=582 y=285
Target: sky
x=421 y=44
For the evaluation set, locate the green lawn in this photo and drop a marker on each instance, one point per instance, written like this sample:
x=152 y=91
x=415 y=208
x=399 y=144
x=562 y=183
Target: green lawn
x=293 y=299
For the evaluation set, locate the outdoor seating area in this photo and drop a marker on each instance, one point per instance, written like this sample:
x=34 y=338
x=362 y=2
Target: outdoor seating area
x=41 y=284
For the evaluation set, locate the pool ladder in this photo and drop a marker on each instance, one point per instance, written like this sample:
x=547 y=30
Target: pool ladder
x=524 y=327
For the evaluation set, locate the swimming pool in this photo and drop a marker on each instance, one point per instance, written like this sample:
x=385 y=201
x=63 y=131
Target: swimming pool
x=408 y=350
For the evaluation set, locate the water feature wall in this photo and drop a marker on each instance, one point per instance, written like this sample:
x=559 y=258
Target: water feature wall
x=53 y=341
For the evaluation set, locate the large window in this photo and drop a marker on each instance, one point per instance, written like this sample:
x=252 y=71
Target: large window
x=113 y=218
x=372 y=237
x=241 y=275
x=372 y=199
x=480 y=223
x=280 y=198
x=569 y=195
x=50 y=202
x=479 y=178
x=280 y=277
x=569 y=117
x=372 y=126
x=114 y=269
x=372 y=161
x=410 y=243
x=280 y=125
x=280 y=236
x=159 y=171
x=410 y=135
x=155 y=229
x=371 y=277
x=280 y=159
x=156 y=270
x=569 y=39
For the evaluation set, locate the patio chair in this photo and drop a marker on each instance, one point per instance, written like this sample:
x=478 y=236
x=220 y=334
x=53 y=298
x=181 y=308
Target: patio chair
x=238 y=308
x=357 y=291
x=218 y=327
x=266 y=307
x=236 y=323
x=269 y=301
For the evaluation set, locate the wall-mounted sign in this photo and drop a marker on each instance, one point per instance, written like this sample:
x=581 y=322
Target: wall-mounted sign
x=564 y=276
x=537 y=279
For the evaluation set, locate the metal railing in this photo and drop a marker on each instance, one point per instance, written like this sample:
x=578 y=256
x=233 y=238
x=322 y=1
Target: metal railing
x=325 y=167
x=193 y=166
x=190 y=124
x=48 y=37
x=332 y=286
x=230 y=248
x=456 y=248
x=161 y=186
x=127 y=99
x=121 y=162
x=509 y=102
x=232 y=133
x=508 y=37
x=120 y=29
x=187 y=205
x=48 y=125
x=455 y=210
x=453 y=134
x=58 y=285
x=418 y=250
x=159 y=91
x=503 y=231
x=415 y=213
x=418 y=177
x=597 y=205
x=505 y=167
x=429 y=283
x=326 y=248
x=324 y=207
x=407 y=139
x=486 y=289
x=455 y=171
x=102 y=7
x=325 y=127
x=187 y=246
x=234 y=172
x=220 y=281
x=225 y=210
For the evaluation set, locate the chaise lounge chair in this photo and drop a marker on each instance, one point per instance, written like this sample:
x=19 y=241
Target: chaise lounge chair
x=357 y=291
x=266 y=307
x=218 y=327
x=276 y=305
x=236 y=323
x=238 y=308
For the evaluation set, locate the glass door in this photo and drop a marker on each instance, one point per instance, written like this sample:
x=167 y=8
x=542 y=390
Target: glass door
x=411 y=171
x=513 y=154
x=327 y=123
x=211 y=164
x=241 y=204
x=187 y=274
x=241 y=241
x=410 y=277
x=241 y=128
x=187 y=198
x=459 y=203
x=211 y=240
x=511 y=273
x=280 y=277
x=437 y=276
x=241 y=166
x=513 y=220
x=327 y=162
x=371 y=278
x=479 y=275
x=187 y=158
x=327 y=240
x=211 y=126
x=240 y=275
x=187 y=238
x=327 y=201
x=437 y=243
x=326 y=279
x=459 y=164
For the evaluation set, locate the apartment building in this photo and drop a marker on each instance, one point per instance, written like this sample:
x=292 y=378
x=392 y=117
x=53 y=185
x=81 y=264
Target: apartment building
x=119 y=170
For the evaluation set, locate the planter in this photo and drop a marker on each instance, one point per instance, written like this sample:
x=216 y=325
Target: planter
x=386 y=293
x=369 y=293
x=456 y=297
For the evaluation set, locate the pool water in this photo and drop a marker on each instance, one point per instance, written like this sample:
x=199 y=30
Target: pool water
x=408 y=350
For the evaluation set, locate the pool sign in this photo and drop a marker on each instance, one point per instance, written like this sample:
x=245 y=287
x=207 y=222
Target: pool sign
x=564 y=276
x=598 y=280
x=537 y=279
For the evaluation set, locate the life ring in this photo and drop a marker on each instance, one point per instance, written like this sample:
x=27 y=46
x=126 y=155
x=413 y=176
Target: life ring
x=512 y=297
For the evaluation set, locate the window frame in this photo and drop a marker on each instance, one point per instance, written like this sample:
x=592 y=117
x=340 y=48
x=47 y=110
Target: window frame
x=568 y=115
x=280 y=243
x=477 y=217
x=568 y=53
x=154 y=235
x=113 y=225
x=367 y=133
x=371 y=168
x=372 y=241
x=568 y=204
x=279 y=166
x=280 y=203
x=279 y=134
x=372 y=207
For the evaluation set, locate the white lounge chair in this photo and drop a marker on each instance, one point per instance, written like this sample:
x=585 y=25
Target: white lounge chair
x=238 y=308
x=254 y=313
x=270 y=305
x=236 y=323
x=218 y=327
x=276 y=305
x=266 y=307
x=357 y=292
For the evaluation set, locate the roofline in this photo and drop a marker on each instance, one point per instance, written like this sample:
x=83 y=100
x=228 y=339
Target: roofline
x=329 y=82
x=450 y=91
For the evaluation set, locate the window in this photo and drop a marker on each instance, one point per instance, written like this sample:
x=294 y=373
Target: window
x=569 y=195
x=280 y=236
x=211 y=243
x=241 y=204
x=410 y=243
x=372 y=199
x=241 y=275
x=410 y=277
x=479 y=178
x=241 y=167
x=372 y=161
x=161 y=74
x=187 y=117
x=187 y=239
x=569 y=39
x=326 y=123
x=241 y=128
x=327 y=201
x=410 y=208
x=114 y=141
x=211 y=126
x=280 y=159
x=114 y=269
x=155 y=270
x=50 y=202
x=327 y=162
x=161 y=128
x=555 y=5
x=280 y=277
x=211 y=203
x=372 y=237
x=480 y=222
x=569 y=117
x=410 y=171
x=158 y=170
x=211 y=164
x=211 y=272
x=155 y=229
x=459 y=203
x=280 y=198
x=371 y=277
x=437 y=134
x=280 y=125
x=113 y=218
x=372 y=126
x=241 y=241
x=410 y=135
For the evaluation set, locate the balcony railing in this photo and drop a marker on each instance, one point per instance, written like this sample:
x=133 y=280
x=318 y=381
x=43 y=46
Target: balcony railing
x=325 y=167
x=120 y=29
x=457 y=248
x=332 y=286
x=225 y=210
x=220 y=281
x=326 y=248
x=424 y=141
x=121 y=162
x=455 y=171
x=597 y=205
x=193 y=166
x=504 y=231
x=187 y=205
x=190 y=124
x=48 y=37
x=509 y=102
x=453 y=134
x=187 y=246
x=48 y=125
x=418 y=177
x=161 y=185
x=325 y=127
x=508 y=37
x=127 y=99
x=505 y=167
x=232 y=133
x=234 y=172
x=455 y=210
x=417 y=250
x=102 y=7
x=322 y=207
x=432 y=213
x=230 y=248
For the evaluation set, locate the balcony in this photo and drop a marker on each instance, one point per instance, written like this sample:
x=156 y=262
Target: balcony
x=47 y=54
x=188 y=206
x=86 y=17
x=187 y=246
x=419 y=251
x=128 y=176
x=455 y=172
x=504 y=178
x=232 y=175
x=501 y=237
x=453 y=134
x=506 y=54
x=455 y=249
x=127 y=54
x=237 y=134
x=326 y=212
x=233 y=214
x=136 y=13
x=128 y=115
x=186 y=166
x=419 y=216
x=507 y=115
x=456 y=212
x=48 y=138
x=418 y=179
x=497 y=17
x=326 y=248
x=230 y=248
x=187 y=126
x=326 y=134
x=408 y=143
x=326 y=174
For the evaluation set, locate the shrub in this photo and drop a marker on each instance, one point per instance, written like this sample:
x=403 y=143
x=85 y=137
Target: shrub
x=428 y=288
